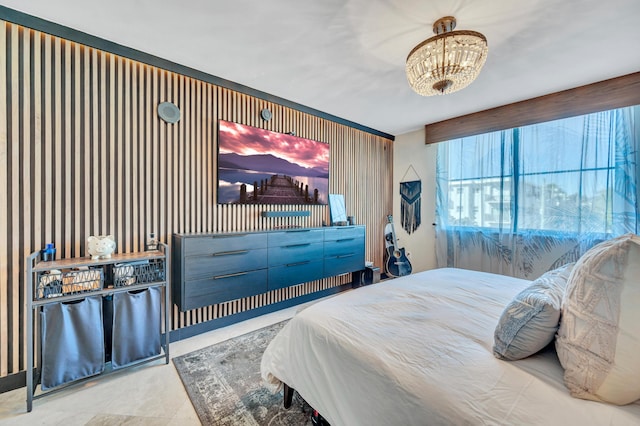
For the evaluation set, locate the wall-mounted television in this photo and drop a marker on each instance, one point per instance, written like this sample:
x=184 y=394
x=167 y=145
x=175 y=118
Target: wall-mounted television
x=258 y=166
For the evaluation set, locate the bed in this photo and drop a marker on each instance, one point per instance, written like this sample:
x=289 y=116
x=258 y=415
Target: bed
x=417 y=350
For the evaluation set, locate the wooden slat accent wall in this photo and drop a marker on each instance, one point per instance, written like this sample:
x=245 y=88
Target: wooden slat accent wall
x=83 y=152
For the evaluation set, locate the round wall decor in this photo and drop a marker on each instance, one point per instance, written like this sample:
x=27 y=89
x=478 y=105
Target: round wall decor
x=265 y=114
x=169 y=112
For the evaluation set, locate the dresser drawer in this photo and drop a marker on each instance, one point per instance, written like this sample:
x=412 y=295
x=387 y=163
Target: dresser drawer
x=337 y=233
x=336 y=265
x=294 y=273
x=224 y=262
x=211 y=244
x=295 y=236
x=343 y=247
x=294 y=253
x=205 y=292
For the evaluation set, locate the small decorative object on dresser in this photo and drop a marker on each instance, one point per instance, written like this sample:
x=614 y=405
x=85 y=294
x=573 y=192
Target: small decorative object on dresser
x=101 y=246
x=48 y=253
x=151 y=243
x=337 y=210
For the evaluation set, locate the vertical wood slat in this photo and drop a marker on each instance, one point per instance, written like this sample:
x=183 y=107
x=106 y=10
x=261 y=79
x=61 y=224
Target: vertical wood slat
x=137 y=133
x=6 y=321
x=36 y=143
x=84 y=153
x=57 y=183
x=162 y=183
x=152 y=173
x=77 y=150
x=25 y=160
x=14 y=296
x=126 y=153
x=67 y=194
x=48 y=131
x=95 y=143
x=146 y=156
x=117 y=150
x=86 y=146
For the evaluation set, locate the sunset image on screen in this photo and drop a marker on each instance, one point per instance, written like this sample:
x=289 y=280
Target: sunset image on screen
x=257 y=166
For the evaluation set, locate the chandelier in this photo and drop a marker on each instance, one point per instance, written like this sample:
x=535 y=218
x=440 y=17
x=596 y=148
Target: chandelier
x=446 y=62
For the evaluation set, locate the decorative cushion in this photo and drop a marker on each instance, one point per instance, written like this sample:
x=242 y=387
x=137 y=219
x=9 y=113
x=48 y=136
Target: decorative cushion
x=598 y=341
x=530 y=321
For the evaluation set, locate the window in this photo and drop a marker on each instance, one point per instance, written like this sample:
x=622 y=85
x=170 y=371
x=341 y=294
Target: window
x=533 y=198
x=563 y=175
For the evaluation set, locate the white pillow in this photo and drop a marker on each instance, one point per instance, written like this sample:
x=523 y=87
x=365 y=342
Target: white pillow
x=598 y=341
x=530 y=321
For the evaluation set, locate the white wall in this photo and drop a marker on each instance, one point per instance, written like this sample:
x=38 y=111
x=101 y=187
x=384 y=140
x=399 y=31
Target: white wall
x=410 y=150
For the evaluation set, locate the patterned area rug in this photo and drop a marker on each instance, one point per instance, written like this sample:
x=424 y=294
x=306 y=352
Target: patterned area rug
x=225 y=387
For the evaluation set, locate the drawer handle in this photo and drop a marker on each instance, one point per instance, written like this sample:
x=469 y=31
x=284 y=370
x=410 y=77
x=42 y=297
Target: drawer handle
x=299 y=263
x=229 y=253
x=344 y=239
x=237 y=274
x=297 y=245
x=341 y=256
x=228 y=236
x=299 y=230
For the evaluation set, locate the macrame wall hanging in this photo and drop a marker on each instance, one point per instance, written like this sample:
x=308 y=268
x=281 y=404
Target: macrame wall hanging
x=410 y=195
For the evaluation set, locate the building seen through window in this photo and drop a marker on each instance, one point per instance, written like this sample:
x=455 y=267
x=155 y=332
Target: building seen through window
x=565 y=175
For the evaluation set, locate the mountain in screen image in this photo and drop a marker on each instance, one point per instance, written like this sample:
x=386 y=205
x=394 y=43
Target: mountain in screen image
x=267 y=163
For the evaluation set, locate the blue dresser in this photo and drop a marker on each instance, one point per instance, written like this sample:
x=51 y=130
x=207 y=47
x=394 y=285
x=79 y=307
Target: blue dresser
x=215 y=268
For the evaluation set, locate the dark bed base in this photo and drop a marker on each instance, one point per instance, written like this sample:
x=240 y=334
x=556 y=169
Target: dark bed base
x=288 y=395
x=316 y=418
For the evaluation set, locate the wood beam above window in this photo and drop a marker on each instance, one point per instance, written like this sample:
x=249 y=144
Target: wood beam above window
x=608 y=94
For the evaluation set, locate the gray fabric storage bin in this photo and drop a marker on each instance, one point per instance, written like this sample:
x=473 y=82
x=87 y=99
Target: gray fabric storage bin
x=136 y=326
x=72 y=341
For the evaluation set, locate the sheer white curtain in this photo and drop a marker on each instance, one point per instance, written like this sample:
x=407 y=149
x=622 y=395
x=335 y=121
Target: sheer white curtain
x=523 y=201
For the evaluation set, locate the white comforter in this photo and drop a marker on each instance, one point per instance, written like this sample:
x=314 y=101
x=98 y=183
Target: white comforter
x=417 y=350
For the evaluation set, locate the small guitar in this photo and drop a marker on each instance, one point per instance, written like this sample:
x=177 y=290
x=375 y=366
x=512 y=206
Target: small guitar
x=397 y=263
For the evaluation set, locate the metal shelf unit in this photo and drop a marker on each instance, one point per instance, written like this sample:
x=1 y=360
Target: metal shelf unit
x=37 y=299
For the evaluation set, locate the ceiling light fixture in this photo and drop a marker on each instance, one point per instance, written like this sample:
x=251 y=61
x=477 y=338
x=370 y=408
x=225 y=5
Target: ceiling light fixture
x=448 y=61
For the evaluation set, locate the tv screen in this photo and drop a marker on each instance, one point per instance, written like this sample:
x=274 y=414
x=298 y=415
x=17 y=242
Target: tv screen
x=257 y=166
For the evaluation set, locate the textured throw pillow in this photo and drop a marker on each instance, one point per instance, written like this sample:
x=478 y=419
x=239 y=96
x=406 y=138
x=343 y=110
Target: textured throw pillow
x=598 y=341
x=530 y=321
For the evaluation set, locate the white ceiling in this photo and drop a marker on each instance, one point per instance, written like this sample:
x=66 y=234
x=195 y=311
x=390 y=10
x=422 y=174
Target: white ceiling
x=346 y=57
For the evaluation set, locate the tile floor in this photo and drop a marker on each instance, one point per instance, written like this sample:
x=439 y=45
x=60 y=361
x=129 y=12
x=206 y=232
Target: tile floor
x=150 y=394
